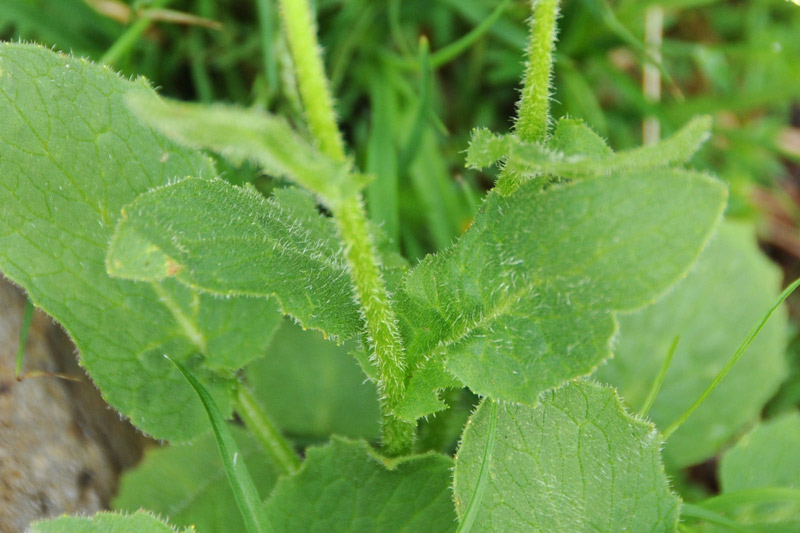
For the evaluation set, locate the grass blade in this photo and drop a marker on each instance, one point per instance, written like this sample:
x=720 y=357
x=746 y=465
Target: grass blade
x=694 y=511
x=731 y=362
x=651 y=396
x=247 y=498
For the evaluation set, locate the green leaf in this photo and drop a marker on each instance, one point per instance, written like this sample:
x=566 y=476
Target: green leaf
x=71 y=156
x=313 y=388
x=768 y=457
x=345 y=486
x=725 y=295
x=138 y=522
x=524 y=301
x=236 y=471
x=230 y=240
x=576 y=462
x=566 y=156
x=574 y=138
x=248 y=134
x=186 y=483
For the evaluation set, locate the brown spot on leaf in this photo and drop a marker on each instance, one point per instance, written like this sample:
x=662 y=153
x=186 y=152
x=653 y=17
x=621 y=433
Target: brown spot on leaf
x=173 y=268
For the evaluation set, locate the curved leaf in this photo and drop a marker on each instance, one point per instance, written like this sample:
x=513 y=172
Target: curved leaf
x=524 y=301
x=576 y=462
x=71 y=156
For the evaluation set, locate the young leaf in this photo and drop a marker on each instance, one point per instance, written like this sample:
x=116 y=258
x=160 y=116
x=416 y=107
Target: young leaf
x=345 y=486
x=313 y=388
x=524 y=301
x=186 y=483
x=104 y=522
x=248 y=134
x=562 y=157
x=576 y=462
x=71 y=156
x=229 y=240
x=574 y=138
x=726 y=293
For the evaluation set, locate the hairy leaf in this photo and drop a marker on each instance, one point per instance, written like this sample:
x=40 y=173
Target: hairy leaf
x=573 y=160
x=137 y=522
x=248 y=134
x=576 y=462
x=230 y=240
x=724 y=296
x=345 y=486
x=524 y=301
x=186 y=483
x=71 y=155
x=313 y=388
x=573 y=137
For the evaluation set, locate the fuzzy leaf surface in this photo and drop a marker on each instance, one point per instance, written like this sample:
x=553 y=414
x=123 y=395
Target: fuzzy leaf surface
x=186 y=483
x=730 y=288
x=248 y=134
x=524 y=301
x=71 y=156
x=345 y=486
x=313 y=388
x=213 y=236
x=104 y=522
x=576 y=153
x=576 y=462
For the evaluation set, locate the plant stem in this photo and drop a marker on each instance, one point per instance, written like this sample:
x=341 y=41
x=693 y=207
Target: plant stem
x=257 y=421
x=731 y=362
x=533 y=116
x=350 y=215
x=301 y=31
x=533 y=109
x=128 y=39
x=382 y=329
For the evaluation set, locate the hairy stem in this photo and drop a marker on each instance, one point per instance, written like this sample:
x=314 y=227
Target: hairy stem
x=257 y=421
x=351 y=219
x=301 y=31
x=382 y=329
x=533 y=109
x=533 y=115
